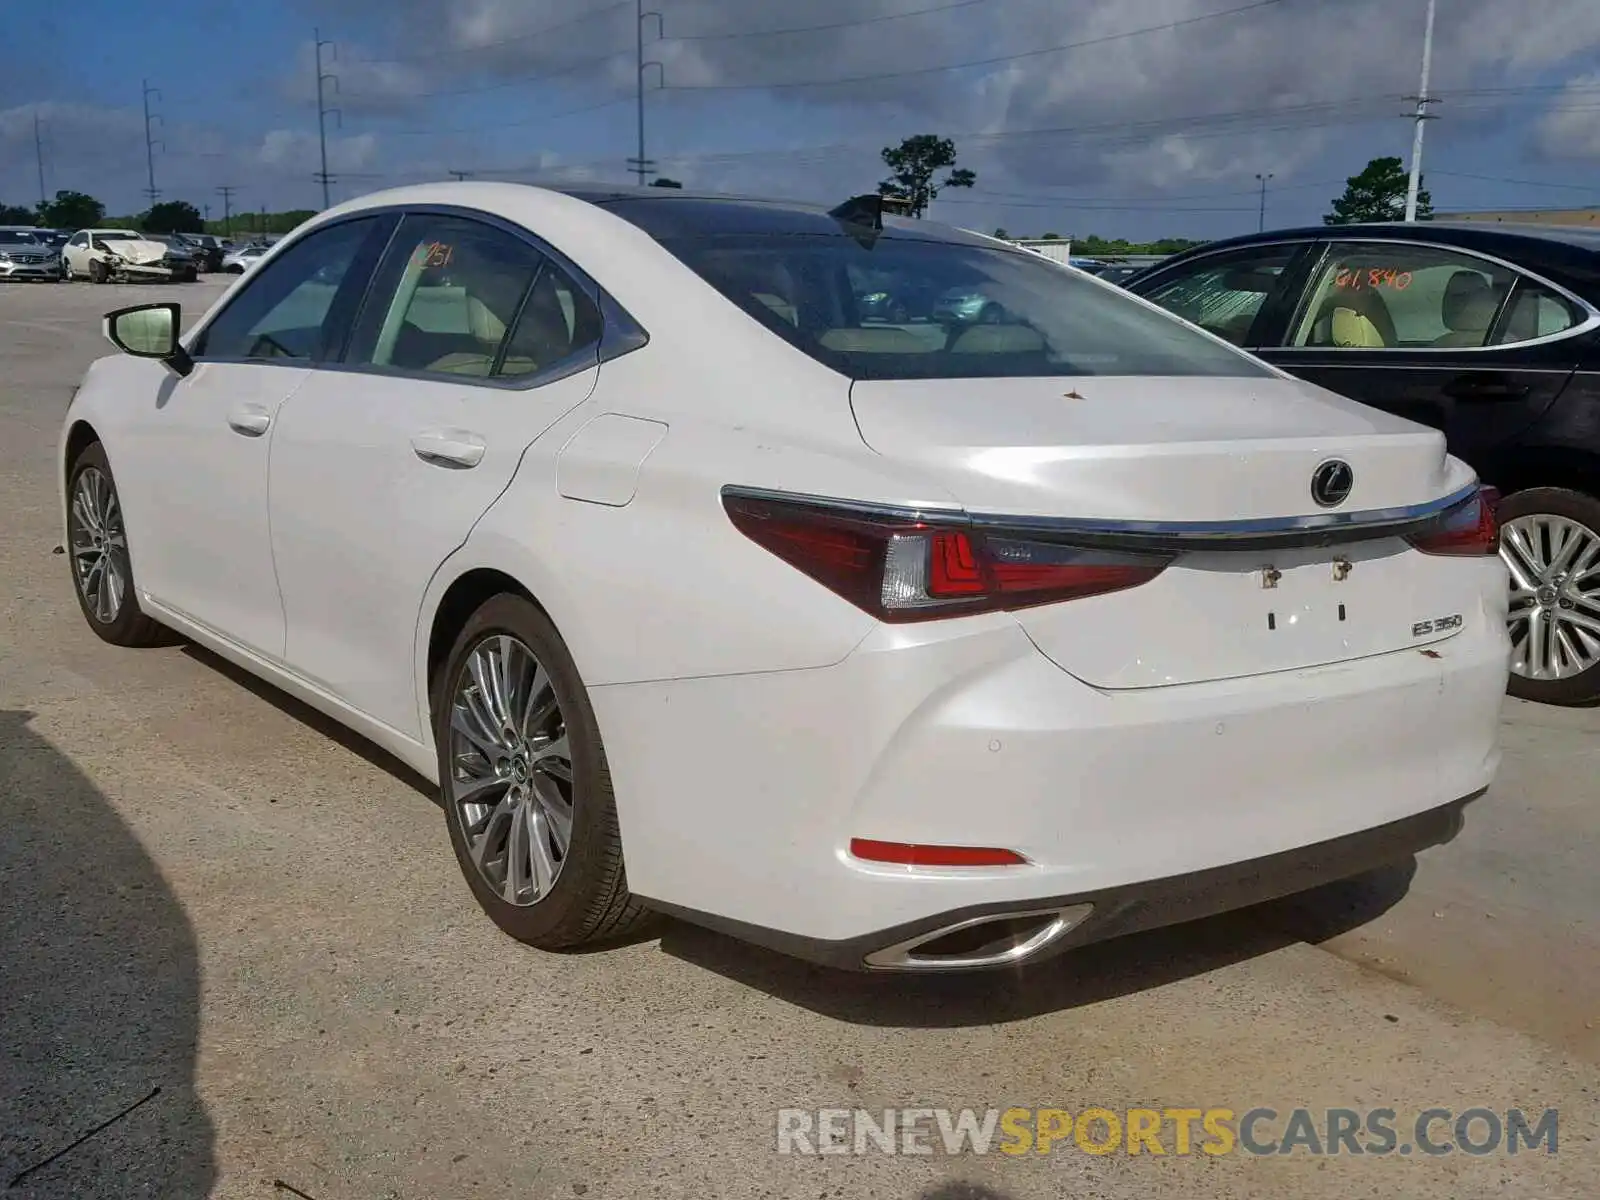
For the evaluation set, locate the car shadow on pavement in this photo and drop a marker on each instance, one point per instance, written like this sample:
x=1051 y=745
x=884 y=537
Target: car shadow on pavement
x=306 y=715
x=1103 y=971
x=99 y=996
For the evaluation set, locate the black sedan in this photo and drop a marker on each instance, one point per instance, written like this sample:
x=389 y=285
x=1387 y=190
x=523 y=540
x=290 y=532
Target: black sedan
x=1488 y=333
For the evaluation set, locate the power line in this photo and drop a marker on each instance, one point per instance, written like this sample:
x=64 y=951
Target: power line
x=150 y=142
x=323 y=110
x=854 y=24
x=993 y=60
x=537 y=77
x=497 y=125
x=1576 y=187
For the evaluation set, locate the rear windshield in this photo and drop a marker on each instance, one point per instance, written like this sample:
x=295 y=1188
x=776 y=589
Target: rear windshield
x=913 y=309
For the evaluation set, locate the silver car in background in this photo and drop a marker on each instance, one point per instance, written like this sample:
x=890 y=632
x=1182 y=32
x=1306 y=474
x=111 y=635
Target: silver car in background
x=24 y=256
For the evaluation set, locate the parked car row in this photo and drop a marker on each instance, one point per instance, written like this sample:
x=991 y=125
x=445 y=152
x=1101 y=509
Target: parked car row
x=120 y=255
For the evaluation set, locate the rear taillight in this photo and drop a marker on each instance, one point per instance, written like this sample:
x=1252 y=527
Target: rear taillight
x=1471 y=528
x=901 y=568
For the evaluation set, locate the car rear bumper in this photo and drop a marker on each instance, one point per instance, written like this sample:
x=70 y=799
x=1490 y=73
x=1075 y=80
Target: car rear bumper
x=738 y=797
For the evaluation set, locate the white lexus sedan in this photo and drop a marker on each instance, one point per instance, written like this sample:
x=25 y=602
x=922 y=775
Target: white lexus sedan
x=700 y=586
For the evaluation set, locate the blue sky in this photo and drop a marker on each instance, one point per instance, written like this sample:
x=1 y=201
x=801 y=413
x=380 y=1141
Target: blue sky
x=1162 y=111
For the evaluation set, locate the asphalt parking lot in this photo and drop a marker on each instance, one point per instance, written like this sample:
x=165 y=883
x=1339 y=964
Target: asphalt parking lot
x=207 y=889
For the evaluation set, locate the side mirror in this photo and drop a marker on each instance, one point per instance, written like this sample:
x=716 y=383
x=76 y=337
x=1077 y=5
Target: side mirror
x=150 y=331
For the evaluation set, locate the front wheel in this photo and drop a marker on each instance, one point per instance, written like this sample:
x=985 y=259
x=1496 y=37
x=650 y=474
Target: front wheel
x=98 y=271
x=97 y=544
x=1550 y=543
x=524 y=783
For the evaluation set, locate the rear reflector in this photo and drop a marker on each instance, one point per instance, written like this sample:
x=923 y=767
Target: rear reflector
x=1470 y=529
x=905 y=854
x=904 y=569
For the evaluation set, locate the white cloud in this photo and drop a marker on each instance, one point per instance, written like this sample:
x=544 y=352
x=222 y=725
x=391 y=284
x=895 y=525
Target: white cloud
x=1571 y=126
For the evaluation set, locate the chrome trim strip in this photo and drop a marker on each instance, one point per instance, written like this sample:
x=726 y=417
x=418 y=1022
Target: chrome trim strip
x=1154 y=535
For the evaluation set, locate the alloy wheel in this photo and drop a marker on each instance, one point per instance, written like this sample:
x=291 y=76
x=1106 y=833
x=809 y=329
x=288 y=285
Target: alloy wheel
x=511 y=773
x=99 y=545
x=1554 y=614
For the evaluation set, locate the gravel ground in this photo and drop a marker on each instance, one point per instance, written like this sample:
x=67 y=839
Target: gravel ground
x=208 y=890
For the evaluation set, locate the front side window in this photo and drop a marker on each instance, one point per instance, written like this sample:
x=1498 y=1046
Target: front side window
x=896 y=308
x=286 y=311
x=446 y=298
x=1225 y=294
x=1390 y=296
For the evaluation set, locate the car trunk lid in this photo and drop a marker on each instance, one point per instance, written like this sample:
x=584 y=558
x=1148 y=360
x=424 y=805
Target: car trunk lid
x=1220 y=464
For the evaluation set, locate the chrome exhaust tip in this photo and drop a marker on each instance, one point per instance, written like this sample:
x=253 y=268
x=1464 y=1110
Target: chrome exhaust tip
x=1004 y=939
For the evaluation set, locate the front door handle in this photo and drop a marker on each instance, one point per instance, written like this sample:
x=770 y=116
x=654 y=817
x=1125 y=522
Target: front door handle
x=449 y=448
x=250 y=419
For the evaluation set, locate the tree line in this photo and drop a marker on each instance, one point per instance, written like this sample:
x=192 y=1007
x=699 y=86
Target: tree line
x=1376 y=193
x=79 y=210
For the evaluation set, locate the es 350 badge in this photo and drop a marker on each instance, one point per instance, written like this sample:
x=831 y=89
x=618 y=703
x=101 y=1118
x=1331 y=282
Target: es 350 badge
x=1437 y=625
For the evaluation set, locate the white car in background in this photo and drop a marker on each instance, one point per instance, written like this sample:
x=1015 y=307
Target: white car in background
x=917 y=647
x=241 y=258
x=113 y=255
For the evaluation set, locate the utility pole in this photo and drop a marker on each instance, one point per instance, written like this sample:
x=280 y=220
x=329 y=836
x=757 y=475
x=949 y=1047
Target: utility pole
x=323 y=110
x=1262 y=222
x=150 y=143
x=1423 y=116
x=227 y=192
x=38 y=154
x=642 y=166
x=459 y=175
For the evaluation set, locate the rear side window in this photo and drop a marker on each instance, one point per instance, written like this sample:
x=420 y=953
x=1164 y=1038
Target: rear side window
x=912 y=309
x=461 y=297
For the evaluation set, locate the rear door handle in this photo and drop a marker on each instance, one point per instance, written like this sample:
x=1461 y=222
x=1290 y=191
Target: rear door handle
x=1486 y=387
x=250 y=419
x=449 y=448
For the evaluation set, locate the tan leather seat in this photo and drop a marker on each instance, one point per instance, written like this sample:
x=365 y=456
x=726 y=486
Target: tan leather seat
x=1353 y=319
x=1467 y=309
x=884 y=339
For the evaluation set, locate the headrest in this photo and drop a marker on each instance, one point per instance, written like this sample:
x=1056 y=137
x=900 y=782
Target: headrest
x=1469 y=302
x=887 y=340
x=999 y=339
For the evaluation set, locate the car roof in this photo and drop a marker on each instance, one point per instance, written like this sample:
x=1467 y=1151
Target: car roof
x=666 y=213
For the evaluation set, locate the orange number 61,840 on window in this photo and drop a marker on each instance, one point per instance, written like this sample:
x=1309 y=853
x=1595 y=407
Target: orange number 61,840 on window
x=1356 y=278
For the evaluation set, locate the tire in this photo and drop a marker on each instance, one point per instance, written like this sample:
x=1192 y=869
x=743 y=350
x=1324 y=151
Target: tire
x=126 y=624
x=66 y=271
x=98 y=271
x=1531 y=522
x=991 y=314
x=588 y=899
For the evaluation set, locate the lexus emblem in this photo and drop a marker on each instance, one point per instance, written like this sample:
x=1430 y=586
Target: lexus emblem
x=1331 y=483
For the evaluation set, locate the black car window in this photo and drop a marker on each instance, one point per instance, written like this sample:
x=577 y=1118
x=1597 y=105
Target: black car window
x=1535 y=311
x=1225 y=293
x=913 y=308
x=286 y=309
x=1393 y=296
x=558 y=320
x=445 y=299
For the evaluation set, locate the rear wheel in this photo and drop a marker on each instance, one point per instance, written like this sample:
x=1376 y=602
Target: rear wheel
x=1550 y=542
x=97 y=544
x=524 y=783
